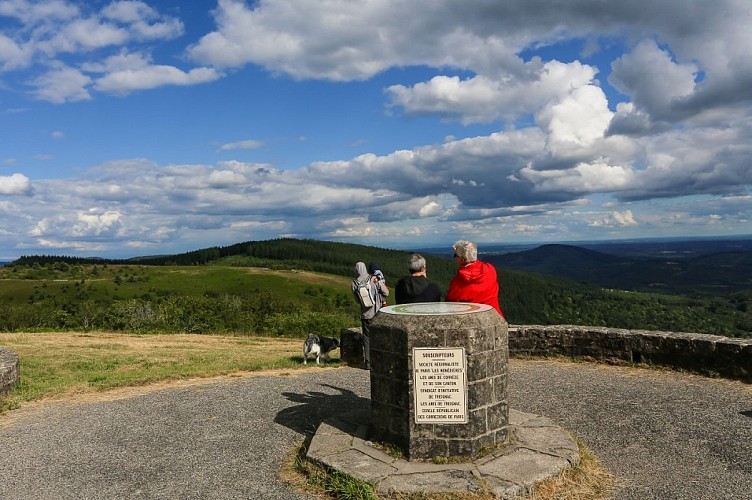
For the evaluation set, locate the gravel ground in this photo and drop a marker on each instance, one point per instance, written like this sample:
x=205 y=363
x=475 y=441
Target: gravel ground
x=663 y=435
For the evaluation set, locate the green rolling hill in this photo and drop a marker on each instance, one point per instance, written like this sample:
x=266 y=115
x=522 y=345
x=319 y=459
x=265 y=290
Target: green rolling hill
x=229 y=289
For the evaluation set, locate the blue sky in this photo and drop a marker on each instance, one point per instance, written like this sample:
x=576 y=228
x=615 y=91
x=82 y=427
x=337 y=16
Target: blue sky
x=133 y=128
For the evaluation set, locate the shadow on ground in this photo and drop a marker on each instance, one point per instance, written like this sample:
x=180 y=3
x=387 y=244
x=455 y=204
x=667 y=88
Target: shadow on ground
x=313 y=407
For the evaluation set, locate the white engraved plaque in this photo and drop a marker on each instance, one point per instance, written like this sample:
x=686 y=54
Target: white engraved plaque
x=440 y=385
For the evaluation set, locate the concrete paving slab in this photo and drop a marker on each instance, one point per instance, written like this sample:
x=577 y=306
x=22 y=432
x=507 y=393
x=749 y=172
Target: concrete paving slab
x=431 y=482
x=358 y=464
x=524 y=466
x=548 y=440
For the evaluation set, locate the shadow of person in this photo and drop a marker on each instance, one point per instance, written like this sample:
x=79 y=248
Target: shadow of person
x=316 y=406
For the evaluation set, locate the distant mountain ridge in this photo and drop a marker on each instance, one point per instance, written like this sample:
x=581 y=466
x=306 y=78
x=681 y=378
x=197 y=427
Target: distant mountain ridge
x=709 y=274
x=678 y=247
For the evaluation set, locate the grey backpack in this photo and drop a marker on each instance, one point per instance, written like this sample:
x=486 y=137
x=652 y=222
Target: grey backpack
x=365 y=292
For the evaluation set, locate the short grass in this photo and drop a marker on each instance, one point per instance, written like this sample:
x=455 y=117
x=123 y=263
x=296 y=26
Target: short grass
x=56 y=365
x=319 y=481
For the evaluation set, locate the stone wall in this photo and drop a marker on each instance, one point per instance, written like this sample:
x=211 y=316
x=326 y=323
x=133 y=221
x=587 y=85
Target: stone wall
x=725 y=356
x=9 y=370
x=728 y=357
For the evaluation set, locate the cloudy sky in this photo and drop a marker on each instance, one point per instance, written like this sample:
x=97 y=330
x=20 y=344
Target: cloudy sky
x=139 y=127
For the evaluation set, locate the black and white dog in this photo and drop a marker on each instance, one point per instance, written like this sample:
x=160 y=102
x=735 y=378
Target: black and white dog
x=320 y=346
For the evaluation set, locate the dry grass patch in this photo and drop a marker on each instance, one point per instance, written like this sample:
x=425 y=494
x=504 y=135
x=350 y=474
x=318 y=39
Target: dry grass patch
x=590 y=480
x=56 y=365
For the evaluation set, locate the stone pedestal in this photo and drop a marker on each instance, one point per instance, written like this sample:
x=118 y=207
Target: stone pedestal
x=439 y=379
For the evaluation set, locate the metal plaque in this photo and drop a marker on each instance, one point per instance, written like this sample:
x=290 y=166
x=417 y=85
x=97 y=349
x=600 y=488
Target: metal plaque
x=440 y=385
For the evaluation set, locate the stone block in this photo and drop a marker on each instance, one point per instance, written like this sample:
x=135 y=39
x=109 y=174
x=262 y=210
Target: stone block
x=10 y=370
x=351 y=346
x=498 y=415
x=480 y=393
x=500 y=387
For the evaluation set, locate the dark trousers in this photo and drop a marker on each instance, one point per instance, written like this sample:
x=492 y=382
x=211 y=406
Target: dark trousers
x=365 y=328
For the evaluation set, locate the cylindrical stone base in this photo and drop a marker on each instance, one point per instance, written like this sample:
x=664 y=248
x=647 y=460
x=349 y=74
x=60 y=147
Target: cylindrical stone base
x=403 y=394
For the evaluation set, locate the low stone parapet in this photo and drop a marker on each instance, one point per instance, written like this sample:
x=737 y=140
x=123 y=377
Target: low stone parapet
x=710 y=354
x=9 y=370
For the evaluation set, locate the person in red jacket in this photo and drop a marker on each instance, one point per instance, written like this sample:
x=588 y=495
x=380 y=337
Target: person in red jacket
x=475 y=280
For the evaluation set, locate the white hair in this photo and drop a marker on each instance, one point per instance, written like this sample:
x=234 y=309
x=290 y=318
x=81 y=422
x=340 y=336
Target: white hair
x=417 y=263
x=466 y=249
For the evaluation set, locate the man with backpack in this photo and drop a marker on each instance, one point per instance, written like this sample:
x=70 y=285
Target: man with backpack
x=370 y=292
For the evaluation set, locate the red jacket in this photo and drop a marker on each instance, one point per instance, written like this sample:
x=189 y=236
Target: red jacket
x=475 y=282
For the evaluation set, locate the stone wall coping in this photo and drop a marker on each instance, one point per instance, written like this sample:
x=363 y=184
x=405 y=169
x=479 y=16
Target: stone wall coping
x=652 y=333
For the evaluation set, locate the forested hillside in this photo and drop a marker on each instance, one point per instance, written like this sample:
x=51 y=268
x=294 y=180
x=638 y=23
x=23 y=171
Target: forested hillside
x=283 y=253
x=708 y=274
x=57 y=292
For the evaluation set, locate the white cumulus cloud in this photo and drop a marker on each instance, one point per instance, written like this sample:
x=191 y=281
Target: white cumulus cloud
x=15 y=185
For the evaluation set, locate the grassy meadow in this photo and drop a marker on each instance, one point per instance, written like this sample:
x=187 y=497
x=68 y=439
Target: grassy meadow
x=120 y=282
x=174 y=299
x=62 y=364
x=130 y=325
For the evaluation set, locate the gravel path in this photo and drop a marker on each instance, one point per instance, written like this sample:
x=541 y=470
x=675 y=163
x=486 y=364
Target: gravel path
x=664 y=435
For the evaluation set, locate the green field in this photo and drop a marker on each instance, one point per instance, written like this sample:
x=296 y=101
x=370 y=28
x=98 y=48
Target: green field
x=120 y=282
x=290 y=287
x=208 y=299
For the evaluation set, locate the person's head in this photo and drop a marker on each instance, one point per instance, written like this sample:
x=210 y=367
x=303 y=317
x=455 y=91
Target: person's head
x=417 y=263
x=360 y=269
x=465 y=252
x=375 y=270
